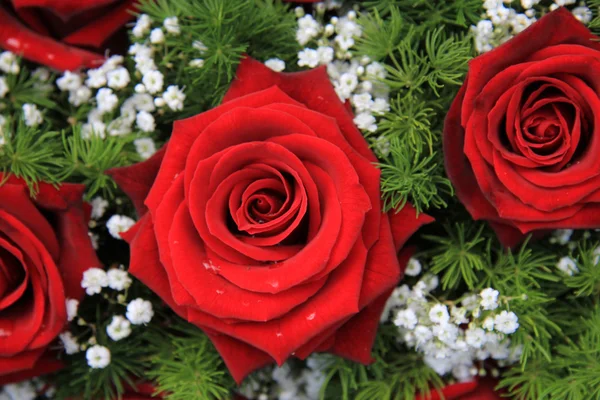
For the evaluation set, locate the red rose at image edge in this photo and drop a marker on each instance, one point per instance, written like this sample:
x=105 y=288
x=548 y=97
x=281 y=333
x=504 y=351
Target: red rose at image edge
x=44 y=249
x=64 y=35
x=482 y=389
x=521 y=138
x=224 y=167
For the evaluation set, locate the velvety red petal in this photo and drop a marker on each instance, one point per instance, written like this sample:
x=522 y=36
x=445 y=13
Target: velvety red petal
x=43 y=364
x=63 y=8
x=452 y=392
x=136 y=180
x=405 y=222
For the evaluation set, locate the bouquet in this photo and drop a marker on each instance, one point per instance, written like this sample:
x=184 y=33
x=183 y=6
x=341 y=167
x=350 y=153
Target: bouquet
x=261 y=199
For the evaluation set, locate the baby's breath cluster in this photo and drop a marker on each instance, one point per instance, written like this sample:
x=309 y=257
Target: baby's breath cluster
x=455 y=337
x=331 y=44
x=504 y=19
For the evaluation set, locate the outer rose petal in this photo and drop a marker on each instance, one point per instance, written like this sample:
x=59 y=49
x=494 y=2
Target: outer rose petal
x=453 y=392
x=43 y=364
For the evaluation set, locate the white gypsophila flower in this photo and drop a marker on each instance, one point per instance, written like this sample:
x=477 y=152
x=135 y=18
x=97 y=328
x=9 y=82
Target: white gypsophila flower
x=112 y=62
x=142 y=26
x=118 y=224
x=119 y=127
x=362 y=102
x=196 y=63
x=174 y=98
x=154 y=81
x=171 y=25
x=94 y=279
x=96 y=78
x=139 y=311
x=470 y=302
x=376 y=71
x=275 y=64
x=41 y=74
x=98 y=357
x=583 y=14
x=366 y=122
x=119 y=328
x=344 y=42
x=380 y=106
x=422 y=335
x=506 y=322
x=94 y=128
x=25 y=390
x=69 y=81
x=142 y=102
x=106 y=100
x=80 y=95
x=8 y=63
x=439 y=314
x=118 y=78
x=145 y=121
x=567 y=265
x=308 y=28
x=459 y=315
x=99 y=206
x=489 y=299
x=561 y=236
x=382 y=145
x=198 y=45
x=308 y=58
x=145 y=147
x=347 y=26
x=72 y=305
x=413 y=267
x=31 y=115
x=527 y=4
x=347 y=83
x=157 y=36
x=475 y=337
x=94 y=238
x=118 y=279
x=488 y=323
x=406 y=319
x=325 y=54
x=3 y=87
x=140 y=88
x=445 y=332
x=69 y=343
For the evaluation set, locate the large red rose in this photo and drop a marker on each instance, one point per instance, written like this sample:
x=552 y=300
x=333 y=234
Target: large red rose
x=265 y=226
x=475 y=390
x=62 y=34
x=44 y=249
x=522 y=137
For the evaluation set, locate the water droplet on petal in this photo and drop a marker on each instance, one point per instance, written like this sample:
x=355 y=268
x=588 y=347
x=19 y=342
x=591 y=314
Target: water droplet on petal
x=275 y=284
x=13 y=42
x=220 y=291
x=5 y=333
x=311 y=316
x=279 y=334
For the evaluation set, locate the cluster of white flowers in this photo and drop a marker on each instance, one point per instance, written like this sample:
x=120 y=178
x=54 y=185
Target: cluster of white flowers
x=26 y=390
x=94 y=279
x=454 y=337
x=504 y=22
x=286 y=384
x=357 y=81
x=118 y=224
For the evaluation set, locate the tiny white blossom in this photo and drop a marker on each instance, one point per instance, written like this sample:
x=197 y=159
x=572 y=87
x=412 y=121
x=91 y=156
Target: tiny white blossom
x=118 y=78
x=376 y=71
x=475 y=337
x=106 y=99
x=41 y=74
x=446 y=333
x=308 y=28
x=380 y=106
x=93 y=128
x=348 y=82
x=159 y=102
x=406 y=319
x=413 y=268
x=157 y=36
x=139 y=311
x=72 y=305
x=69 y=81
x=145 y=121
x=94 y=279
x=422 y=334
x=31 y=115
x=489 y=299
x=275 y=64
x=96 y=78
x=8 y=63
x=143 y=102
x=144 y=64
x=583 y=14
x=142 y=26
x=174 y=98
x=197 y=63
x=366 y=122
x=80 y=95
x=439 y=314
x=567 y=265
x=470 y=302
x=118 y=279
x=344 y=42
x=145 y=147
x=325 y=54
x=198 y=45
x=308 y=58
x=363 y=103
x=140 y=88
x=3 y=87
x=69 y=343
x=153 y=80
x=506 y=322
x=562 y=236
x=97 y=357
x=171 y=25
x=118 y=224
x=98 y=207
x=488 y=323
x=459 y=315
x=119 y=328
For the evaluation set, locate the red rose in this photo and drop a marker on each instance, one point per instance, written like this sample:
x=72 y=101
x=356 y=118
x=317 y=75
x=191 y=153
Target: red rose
x=475 y=390
x=265 y=226
x=521 y=141
x=44 y=249
x=64 y=35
